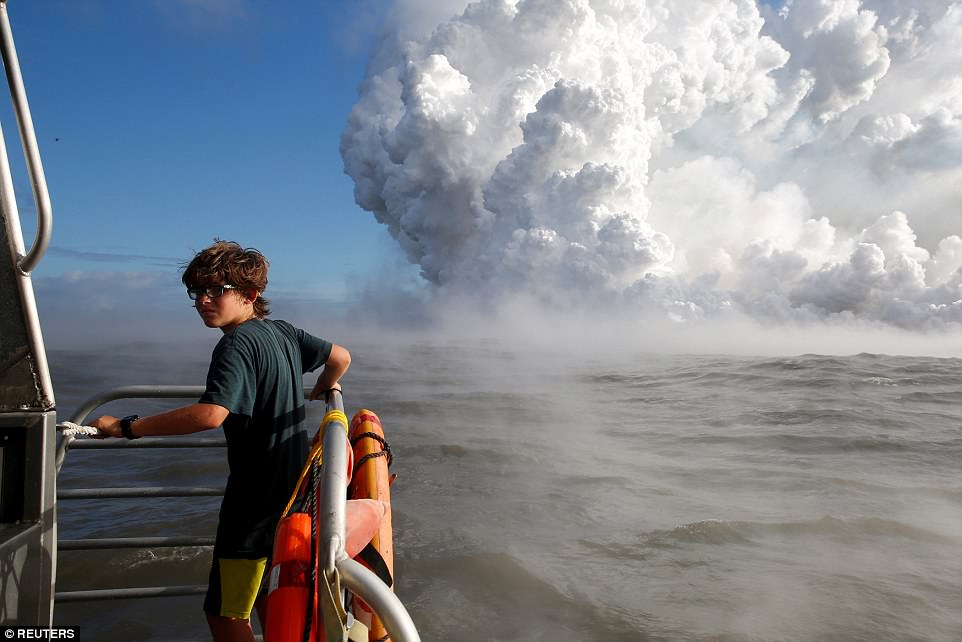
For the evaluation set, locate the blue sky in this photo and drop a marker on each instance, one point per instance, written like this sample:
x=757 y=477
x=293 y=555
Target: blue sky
x=163 y=124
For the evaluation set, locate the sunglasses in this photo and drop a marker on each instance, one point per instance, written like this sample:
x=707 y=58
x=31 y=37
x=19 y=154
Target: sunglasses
x=214 y=291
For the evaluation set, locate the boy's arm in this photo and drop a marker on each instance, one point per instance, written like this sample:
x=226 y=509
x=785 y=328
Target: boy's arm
x=180 y=421
x=334 y=368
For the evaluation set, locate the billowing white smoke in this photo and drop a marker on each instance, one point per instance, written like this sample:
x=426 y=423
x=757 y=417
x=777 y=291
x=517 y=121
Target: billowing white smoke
x=687 y=156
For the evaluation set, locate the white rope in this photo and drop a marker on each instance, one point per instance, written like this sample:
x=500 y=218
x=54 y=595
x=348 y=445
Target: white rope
x=70 y=429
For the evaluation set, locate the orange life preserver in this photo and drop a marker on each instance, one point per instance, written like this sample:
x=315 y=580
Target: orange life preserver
x=371 y=480
x=291 y=594
x=289 y=582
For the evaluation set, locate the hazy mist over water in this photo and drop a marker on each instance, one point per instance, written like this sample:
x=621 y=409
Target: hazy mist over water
x=569 y=495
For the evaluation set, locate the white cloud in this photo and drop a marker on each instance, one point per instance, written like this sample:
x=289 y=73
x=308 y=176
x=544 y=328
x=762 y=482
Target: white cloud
x=698 y=160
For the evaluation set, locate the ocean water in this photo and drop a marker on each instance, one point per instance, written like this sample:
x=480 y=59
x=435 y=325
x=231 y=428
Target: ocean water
x=608 y=498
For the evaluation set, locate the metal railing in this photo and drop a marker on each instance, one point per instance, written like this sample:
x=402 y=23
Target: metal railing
x=24 y=261
x=132 y=392
x=72 y=443
x=330 y=513
x=31 y=149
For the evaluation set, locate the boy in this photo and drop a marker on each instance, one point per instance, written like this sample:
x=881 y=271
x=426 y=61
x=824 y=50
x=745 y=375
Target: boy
x=255 y=390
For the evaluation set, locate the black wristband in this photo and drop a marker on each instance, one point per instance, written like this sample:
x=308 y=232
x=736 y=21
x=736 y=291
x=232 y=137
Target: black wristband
x=125 y=426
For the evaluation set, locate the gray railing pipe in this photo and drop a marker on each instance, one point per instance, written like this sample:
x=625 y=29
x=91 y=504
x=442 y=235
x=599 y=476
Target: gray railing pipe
x=331 y=509
x=331 y=513
x=148 y=442
x=28 y=138
x=374 y=591
x=123 y=392
x=138 y=492
x=22 y=260
x=134 y=392
x=333 y=488
x=128 y=593
x=133 y=542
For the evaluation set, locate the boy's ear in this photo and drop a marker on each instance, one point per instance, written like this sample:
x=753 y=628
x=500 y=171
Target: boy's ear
x=252 y=295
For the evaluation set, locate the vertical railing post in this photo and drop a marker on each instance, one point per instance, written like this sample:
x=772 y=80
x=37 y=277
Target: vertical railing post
x=28 y=139
x=331 y=507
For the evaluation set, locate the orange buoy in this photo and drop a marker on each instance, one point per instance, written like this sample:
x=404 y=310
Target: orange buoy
x=289 y=582
x=290 y=588
x=372 y=481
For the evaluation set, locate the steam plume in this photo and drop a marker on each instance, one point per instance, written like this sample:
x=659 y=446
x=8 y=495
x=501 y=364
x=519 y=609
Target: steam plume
x=691 y=158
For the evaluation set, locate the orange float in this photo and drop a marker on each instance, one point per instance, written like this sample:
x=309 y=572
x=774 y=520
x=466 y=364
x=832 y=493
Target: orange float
x=367 y=537
x=289 y=582
x=371 y=480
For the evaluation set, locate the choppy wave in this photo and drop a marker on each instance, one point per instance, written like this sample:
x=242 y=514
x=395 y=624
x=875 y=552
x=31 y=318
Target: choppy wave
x=720 y=532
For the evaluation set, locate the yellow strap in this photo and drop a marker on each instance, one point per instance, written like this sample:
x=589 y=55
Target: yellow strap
x=334 y=415
x=316 y=453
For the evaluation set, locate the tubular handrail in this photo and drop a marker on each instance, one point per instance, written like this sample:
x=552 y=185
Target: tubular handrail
x=330 y=511
x=149 y=442
x=28 y=139
x=331 y=518
x=131 y=392
x=138 y=492
x=123 y=392
x=132 y=542
x=331 y=508
x=127 y=593
x=380 y=598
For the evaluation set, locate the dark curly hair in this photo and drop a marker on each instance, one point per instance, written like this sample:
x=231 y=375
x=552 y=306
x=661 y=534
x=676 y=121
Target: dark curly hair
x=227 y=263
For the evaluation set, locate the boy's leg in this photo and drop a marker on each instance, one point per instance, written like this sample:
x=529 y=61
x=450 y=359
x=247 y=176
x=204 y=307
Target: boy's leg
x=231 y=593
x=230 y=629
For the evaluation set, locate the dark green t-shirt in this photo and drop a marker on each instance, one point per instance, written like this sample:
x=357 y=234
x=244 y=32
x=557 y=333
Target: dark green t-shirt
x=256 y=372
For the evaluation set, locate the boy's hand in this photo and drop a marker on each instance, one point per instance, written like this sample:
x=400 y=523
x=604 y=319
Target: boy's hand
x=108 y=427
x=321 y=390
